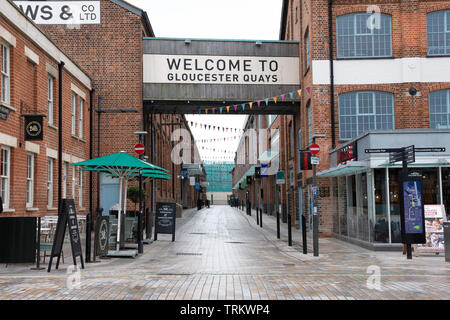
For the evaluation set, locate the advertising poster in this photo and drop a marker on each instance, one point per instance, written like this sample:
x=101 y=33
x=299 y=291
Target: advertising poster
x=435 y=217
x=413 y=209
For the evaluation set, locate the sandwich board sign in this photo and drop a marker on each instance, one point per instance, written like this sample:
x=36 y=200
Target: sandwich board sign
x=67 y=217
x=165 y=219
x=435 y=217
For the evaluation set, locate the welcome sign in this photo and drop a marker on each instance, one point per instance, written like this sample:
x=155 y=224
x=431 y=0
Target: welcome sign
x=190 y=69
x=61 y=12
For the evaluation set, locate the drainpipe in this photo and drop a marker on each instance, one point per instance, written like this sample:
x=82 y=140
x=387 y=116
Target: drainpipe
x=91 y=191
x=330 y=31
x=60 y=131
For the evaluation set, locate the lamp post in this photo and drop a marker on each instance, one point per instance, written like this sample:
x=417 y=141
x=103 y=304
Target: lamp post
x=141 y=135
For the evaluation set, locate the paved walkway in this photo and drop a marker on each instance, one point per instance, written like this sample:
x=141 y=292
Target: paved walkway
x=220 y=253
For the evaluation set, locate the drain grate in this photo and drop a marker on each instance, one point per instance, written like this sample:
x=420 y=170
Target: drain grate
x=188 y=254
x=235 y=242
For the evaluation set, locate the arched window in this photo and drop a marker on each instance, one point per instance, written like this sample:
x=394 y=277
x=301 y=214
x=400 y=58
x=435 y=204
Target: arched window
x=438 y=33
x=364 y=35
x=440 y=109
x=362 y=111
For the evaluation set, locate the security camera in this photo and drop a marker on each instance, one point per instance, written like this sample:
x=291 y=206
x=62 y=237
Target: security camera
x=413 y=91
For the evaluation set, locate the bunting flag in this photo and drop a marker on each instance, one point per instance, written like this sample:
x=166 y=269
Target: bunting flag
x=235 y=107
x=275 y=99
x=213 y=110
x=291 y=94
x=243 y=107
x=267 y=101
x=299 y=92
x=206 y=111
x=259 y=103
x=251 y=105
x=282 y=97
x=309 y=90
x=221 y=110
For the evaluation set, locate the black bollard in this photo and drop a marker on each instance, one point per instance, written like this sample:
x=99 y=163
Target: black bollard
x=278 y=225
x=257 y=216
x=305 y=247
x=260 y=218
x=289 y=219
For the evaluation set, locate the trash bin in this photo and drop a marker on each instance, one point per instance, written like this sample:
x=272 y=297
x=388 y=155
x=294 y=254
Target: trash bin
x=447 y=241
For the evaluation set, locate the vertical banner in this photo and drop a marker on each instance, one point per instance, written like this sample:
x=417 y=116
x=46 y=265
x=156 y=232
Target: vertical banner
x=412 y=208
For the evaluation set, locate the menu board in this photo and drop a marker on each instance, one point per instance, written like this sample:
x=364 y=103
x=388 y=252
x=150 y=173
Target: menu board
x=165 y=219
x=435 y=217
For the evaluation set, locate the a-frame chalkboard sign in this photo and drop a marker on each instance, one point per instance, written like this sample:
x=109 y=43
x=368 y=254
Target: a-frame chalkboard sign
x=67 y=216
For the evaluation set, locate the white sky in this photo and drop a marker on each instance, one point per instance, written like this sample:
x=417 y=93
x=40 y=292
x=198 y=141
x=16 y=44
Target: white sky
x=214 y=19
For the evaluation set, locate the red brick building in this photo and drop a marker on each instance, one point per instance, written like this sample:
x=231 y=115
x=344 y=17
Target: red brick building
x=112 y=52
x=384 y=69
x=30 y=85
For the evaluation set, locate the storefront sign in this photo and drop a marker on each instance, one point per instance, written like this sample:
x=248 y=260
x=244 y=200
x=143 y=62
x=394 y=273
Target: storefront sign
x=188 y=69
x=4 y=113
x=34 y=129
x=348 y=153
x=435 y=217
x=61 y=12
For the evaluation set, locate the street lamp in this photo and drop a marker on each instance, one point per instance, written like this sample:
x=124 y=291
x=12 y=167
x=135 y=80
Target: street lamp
x=141 y=135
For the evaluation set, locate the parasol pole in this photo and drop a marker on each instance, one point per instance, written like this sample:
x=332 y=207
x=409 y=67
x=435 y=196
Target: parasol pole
x=119 y=213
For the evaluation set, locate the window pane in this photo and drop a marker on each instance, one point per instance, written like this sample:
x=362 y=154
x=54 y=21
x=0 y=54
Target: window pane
x=381 y=208
x=439 y=109
x=358 y=35
x=438 y=32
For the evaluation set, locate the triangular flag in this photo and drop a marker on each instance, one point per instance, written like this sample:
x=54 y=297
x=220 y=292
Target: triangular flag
x=213 y=110
x=259 y=103
x=308 y=89
x=282 y=97
x=228 y=109
x=299 y=92
x=275 y=99
x=243 y=106
x=251 y=105
x=206 y=111
x=221 y=109
x=235 y=107
x=267 y=101
x=291 y=94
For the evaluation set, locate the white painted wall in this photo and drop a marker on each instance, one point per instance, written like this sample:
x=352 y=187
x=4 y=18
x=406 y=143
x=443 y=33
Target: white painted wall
x=220 y=198
x=382 y=71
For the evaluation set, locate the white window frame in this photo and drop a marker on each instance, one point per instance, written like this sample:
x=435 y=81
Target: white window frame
x=80 y=119
x=5 y=175
x=74 y=114
x=50 y=98
x=80 y=188
x=74 y=174
x=6 y=73
x=64 y=186
x=50 y=166
x=30 y=180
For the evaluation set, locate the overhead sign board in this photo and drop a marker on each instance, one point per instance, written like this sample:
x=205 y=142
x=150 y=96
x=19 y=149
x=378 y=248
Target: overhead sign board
x=190 y=69
x=61 y=12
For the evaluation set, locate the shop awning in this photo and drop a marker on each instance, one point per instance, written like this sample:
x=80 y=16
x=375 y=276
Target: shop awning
x=350 y=168
x=268 y=156
x=243 y=180
x=193 y=168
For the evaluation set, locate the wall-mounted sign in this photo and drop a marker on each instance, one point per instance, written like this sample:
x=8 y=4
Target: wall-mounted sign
x=347 y=153
x=34 y=128
x=4 y=112
x=192 y=181
x=280 y=178
x=189 y=69
x=61 y=12
x=305 y=161
x=264 y=170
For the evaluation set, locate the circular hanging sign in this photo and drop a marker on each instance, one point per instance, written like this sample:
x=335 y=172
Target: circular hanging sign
x=139 y=148
x=314 y=149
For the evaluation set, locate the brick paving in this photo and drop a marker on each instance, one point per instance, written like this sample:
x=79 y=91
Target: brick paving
x=220 y=253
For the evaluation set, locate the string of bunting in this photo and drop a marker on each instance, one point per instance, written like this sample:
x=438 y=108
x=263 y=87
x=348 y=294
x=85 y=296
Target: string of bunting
x=257 y=103
x=214 y=128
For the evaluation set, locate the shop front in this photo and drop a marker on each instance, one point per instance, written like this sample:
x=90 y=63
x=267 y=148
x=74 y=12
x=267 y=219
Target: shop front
x=366 y=187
